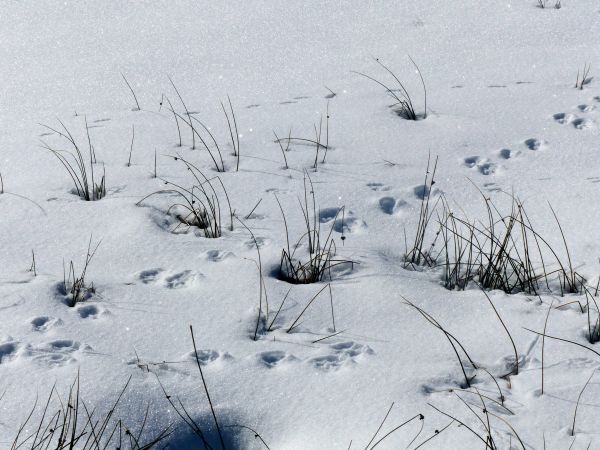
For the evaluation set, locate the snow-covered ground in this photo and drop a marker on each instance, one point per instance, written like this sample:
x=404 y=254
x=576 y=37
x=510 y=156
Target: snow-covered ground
x=503 y=115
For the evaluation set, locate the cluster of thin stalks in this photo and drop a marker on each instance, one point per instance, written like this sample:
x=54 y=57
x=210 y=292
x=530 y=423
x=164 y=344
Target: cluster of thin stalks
x=201 y=134
x=503 y=251
x=197 y=206
x=75 y=287
x=590 y=309
x=378 y=438
x=484 y=430
x=264 y=322
x=419 y=255
x=403 y=105
x=583 y=77
x=72 y=425
x=487 y=406
x=320 y=141
x=479 y=408
x=320 y=253
x=80 y=168
x=201 y=430
x=544 y=4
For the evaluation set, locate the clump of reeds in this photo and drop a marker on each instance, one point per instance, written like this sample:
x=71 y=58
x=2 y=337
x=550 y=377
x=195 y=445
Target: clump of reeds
x=198 y=205
x=75 y=286
x=81 y=169
x=403 y=105
x=313 y=255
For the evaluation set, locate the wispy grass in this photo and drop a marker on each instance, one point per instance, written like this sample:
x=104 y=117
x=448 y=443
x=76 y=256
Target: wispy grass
x=543 y=4
x=313 y=255
x=81 y=170
x=75 y=287
x=262 y=316
x=33 y=267
x=73 y=425
x=201 y=430
x=199 y=205
x=506 y=253
x=457 y=347
x=320 y=141
x=418 y=255
x=204 y=134
x=501 y=251
x=585 y=77
x=376 y=439
x=131 y=146
x=403 y=105
x=137 y=104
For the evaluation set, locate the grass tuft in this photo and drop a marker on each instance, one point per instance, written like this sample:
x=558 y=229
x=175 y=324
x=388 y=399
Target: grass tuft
x=502 y=251
x=75 y=287
x=418 y=255
x=312 y=257
x=403 y=105
x=74 y=426
x=81 y=171
x=198 y=206
x=585 y=77
x=543 y=4
x=204 y=134
x=320 y=141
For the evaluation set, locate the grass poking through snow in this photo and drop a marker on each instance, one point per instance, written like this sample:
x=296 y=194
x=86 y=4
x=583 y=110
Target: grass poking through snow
x=80 y=169
x=313 y=256
x=199 y=205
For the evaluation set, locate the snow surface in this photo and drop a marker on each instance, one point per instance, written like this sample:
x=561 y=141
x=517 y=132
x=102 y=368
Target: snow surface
x=503 y=113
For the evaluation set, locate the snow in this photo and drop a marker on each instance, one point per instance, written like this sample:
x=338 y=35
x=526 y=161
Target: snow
x=503 y=114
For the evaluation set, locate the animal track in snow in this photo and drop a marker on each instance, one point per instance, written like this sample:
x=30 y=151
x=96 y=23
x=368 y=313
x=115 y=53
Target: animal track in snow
x=491 y=187
x=58 y=352
x=593 y=179
x=170 y=280
x=580 y=363
x=586 y=108
x=378 y=187
x=260 y=241
x=578 y=122
x=390 y=205
x=179 y=280
x=206 y=357
x=328 y=214
x=275 y=358
x=563 y=117
x=581 y=123
x=149 y=276
x=91 y=311
x=535 y=144
x=507 y=153
x=352 y=349
x=344 y=353
x=483 y=165
x=421 y=191
x=8 y=350
x=44 y=323
x=218 y=255
x=345 y=222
